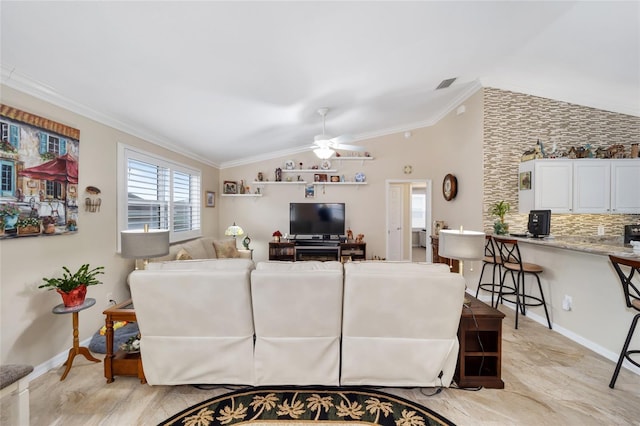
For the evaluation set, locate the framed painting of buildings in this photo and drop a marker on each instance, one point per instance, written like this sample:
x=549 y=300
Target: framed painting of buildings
x=39 y=161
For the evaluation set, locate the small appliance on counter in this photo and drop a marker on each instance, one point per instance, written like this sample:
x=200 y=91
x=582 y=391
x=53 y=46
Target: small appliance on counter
x=631 y=233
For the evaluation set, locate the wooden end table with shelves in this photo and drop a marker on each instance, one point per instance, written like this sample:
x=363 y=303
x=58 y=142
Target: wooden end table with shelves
x=480 y=356
x=121 y=363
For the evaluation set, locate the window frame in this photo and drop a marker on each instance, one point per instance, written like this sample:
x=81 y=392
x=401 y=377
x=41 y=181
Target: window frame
x=126 y=152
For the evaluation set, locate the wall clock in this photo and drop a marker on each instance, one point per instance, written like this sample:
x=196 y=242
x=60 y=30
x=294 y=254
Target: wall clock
x=449 y=187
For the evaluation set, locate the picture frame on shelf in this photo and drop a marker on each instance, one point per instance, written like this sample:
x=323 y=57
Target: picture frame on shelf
x=335 y=178
x=320 y=177
x=230 y=187
x=210 y=199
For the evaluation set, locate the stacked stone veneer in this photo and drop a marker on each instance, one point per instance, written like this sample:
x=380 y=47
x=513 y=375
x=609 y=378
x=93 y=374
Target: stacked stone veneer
x=514 y=122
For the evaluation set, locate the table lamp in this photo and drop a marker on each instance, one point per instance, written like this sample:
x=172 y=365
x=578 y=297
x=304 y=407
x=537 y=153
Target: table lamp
x=234 y=230
x=144 y=244
x=461 y=245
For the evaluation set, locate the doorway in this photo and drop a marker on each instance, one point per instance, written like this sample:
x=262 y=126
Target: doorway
x=408 y=218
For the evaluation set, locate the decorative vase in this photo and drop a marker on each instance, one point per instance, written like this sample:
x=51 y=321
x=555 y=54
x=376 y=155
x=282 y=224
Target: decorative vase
x=10 y=221
x=50 y=228
x=500 y=228
x=75 y=297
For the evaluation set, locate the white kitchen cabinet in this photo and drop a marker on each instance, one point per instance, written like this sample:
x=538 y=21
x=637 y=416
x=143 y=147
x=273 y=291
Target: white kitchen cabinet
x=591 y=186
x=581 y=186
x=625 y=186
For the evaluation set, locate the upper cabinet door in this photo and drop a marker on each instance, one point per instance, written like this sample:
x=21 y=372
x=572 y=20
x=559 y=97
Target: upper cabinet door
x=553 y=183
x=625 y=186
x=591 y=186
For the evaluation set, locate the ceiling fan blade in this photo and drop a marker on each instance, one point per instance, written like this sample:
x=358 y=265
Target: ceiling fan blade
x=350 y=147
x=341 y=139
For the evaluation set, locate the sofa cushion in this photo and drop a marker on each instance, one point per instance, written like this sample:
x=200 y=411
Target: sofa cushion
x=202 y=264
x=195 y=249
x=226 y=248
x=183 y=254
x=307 y=265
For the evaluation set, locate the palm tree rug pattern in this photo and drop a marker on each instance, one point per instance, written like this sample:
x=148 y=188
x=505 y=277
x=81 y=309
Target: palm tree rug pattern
x=293 y=406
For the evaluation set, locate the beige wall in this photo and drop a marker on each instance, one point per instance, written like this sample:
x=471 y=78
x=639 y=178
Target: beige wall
x=30 y=333
x=453 y=145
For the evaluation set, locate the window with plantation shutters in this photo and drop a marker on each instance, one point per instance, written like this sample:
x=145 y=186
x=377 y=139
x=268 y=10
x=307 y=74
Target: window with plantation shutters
x=159 y=193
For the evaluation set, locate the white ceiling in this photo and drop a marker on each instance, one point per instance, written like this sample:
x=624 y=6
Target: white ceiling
x=230 y=83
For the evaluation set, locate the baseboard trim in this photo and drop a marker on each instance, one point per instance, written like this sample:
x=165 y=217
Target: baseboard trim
x=600 y=350
x=54 y=362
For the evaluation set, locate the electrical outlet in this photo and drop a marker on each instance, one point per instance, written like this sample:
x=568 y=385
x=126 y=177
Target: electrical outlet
x=109 y=298
x=567 y=303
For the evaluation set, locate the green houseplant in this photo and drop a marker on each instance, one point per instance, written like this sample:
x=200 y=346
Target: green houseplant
x=73 y=286
x=500 y=209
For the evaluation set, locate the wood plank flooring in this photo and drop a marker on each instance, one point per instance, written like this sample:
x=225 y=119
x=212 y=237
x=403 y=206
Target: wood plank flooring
x=549 y=380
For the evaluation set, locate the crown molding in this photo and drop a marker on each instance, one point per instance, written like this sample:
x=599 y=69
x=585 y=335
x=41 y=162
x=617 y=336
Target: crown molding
x=37 y=89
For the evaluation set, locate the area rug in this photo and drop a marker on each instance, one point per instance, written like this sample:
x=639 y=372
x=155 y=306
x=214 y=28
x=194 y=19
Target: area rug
x=291 y=406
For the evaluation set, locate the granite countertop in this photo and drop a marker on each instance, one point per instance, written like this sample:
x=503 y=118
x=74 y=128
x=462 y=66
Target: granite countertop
x=603 y=245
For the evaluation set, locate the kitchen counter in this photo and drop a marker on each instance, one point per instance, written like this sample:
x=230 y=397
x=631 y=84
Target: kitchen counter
x=603 y=245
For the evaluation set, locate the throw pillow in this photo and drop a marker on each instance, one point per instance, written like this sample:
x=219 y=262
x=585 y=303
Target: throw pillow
x=226 y=249
x=183 y=255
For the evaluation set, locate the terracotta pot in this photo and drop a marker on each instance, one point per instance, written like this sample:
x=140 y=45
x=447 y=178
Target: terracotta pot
x=75 y=297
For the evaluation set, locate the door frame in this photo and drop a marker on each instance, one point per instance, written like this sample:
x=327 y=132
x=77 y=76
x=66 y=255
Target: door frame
x=428 y=212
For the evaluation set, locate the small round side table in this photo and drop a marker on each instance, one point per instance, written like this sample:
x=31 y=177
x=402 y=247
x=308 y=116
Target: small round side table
x=76 y=349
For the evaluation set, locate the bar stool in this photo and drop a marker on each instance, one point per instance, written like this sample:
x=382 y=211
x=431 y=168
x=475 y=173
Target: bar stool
x=491 y=258
x=512 y=262
x=632 y=300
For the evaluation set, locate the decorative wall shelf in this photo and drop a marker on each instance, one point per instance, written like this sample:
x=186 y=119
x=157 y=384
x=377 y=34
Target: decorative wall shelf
x=293 y=182
x=310 y=171
x=241 y=195
x=351 y=158
x=340 y=183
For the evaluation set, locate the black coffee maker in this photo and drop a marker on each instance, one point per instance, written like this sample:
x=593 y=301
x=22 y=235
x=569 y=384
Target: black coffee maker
x=631 y=233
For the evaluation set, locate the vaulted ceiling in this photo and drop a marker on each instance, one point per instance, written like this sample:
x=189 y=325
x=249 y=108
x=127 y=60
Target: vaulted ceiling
x=232 y=82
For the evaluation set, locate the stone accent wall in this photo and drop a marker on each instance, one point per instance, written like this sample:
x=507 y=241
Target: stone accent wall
x=514 y=122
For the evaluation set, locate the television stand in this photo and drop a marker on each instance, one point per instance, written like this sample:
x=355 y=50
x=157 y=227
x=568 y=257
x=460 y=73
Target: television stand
x=323 y=250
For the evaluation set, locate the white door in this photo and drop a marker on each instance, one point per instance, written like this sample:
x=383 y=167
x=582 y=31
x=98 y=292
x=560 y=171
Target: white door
x=395 y=213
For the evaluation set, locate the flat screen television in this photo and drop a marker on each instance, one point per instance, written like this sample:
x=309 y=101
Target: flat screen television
x=539 y=223
x=316 y=219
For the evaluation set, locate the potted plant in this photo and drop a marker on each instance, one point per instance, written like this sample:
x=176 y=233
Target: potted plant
x=72 y=225
x=8 y=215
x=73 y=286
x=276 y=236
x=28 y=225
x=499 y=209
x=49 y=225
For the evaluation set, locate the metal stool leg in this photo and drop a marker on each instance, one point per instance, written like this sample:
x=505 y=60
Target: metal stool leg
x=544 y=303
x=624 y=351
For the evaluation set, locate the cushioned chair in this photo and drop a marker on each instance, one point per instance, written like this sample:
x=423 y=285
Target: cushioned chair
x=493 y=260
x=297 y=310
x=400 y=323
x=196 y=322
x=632 y=300
x=512 y=263
x=14 y=381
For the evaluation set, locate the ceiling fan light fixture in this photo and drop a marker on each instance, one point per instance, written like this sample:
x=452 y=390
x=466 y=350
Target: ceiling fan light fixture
x=324 y=152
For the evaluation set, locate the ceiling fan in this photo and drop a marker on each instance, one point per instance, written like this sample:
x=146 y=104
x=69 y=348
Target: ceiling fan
x=324 y=145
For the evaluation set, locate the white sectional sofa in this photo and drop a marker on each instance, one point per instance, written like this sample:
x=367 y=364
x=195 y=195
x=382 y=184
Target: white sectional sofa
x=195 y=320
x=400 y=323
x=297 y=311
x=301 y=323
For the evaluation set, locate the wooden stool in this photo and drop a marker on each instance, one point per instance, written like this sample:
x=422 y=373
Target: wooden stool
x=14 y=382
x=632 y=300
x=512 y=263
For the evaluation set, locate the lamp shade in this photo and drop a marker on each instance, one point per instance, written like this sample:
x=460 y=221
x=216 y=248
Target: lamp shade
x=234 y=230
x=461 y=245
x=324 y=152
x=137 y=244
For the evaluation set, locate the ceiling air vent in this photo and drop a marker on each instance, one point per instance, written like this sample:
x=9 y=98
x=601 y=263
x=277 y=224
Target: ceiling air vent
x=446 y=83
